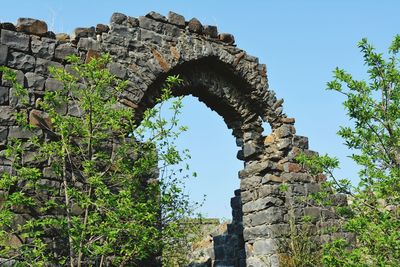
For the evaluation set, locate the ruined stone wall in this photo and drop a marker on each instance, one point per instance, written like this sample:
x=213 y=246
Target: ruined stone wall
x=223 y=243
x=145 y=51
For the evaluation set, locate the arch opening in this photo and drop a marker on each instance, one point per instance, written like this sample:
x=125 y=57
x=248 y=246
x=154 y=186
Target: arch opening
x=216 y=85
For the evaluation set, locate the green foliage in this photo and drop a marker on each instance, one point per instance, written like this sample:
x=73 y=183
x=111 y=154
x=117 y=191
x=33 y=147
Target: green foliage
x=103 y=204
x=373 y=214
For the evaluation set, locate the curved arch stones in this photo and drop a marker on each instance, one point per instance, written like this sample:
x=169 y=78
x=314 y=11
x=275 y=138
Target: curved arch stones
x=228 y=80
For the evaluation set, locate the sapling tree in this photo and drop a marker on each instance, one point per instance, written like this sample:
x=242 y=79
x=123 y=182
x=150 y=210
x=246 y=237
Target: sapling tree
x=102 y=204
x=373 y=214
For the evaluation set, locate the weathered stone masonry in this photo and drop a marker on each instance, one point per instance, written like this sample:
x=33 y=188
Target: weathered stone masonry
x=147 y=49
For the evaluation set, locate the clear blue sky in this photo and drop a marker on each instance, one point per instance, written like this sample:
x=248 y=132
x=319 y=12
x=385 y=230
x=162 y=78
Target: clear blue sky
x=300 y=41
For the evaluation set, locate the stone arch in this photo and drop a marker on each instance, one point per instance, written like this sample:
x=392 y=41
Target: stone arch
x=213 y=84
x=144 y=51
x=160 y=46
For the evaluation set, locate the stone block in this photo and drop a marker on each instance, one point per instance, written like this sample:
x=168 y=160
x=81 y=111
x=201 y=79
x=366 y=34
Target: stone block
x=255 y=168
x=292 y=167
x=298 y=189
x=211 y=31
x=18 y=100
x=150 y=36
x=284 y=131
x=91 y=54
x=279 y=230
x=124 y=31
x=50 y=35
x=271 y=215
x=15 y=40
x=226 y=38
x=270 y=178
x=133 y=94
x=88 y=44
x=261 y=204
x=84 y=32
x=296 y=177
x=248 y=196
x=118 y=18
x=269 y=139
x=239 y=155
x=74 y=110
x=100 y=28
x=279 y=111
x=31 y=26
x=3 y=54
x=268 y=190
x=43 y=47
x=151 y=24
x=156 y=16
x=253 y=135
x=236 y=203
x=261 y=231
x=32 y=157
x=250 y=182
x=64 y=50
x=228 y=58
x=313 y=188
x=288 y=120
x=237 y=215
x=132 y=22
x=8 y=26
x=7 y=115
x=109 y=39
x=53 y=85
x=173 y=31
x=4 y=95
x=237 y=192
x=63 y=37
x=117 y=70
x=19 y=132
x=283 y=144
x=40 y=119
x=194 y=25
x=328 y=214
x=239 y=142
x=35 y=81
x=255 y=262
x=176 y=19
x=250 y=149
x=42 y=66
x=21 y=61
x=3 y=136
x=265 y=246
x=300 y=141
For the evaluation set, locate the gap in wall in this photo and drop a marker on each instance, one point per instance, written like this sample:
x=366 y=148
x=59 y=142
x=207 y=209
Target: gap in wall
x=213 y=153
